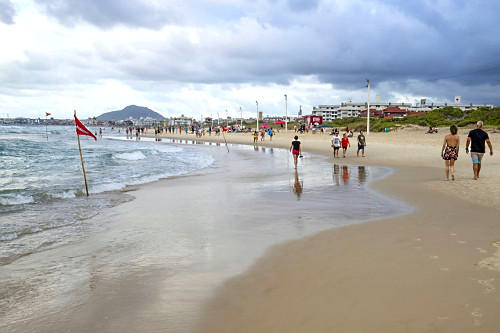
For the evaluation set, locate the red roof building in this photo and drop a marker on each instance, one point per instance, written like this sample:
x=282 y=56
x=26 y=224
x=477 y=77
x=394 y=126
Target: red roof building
x=395 y=112
x=374 y=113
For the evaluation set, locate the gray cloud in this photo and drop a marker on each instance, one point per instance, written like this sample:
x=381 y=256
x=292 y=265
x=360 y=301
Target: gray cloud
x=407 y=49
x=109 y=13
x=7 y=12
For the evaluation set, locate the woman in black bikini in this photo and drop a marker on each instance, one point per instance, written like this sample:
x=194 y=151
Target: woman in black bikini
x=295 y=149
x=450 y=150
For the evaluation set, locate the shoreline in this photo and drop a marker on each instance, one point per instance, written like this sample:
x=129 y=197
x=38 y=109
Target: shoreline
x=436 y=268
x=157 y=258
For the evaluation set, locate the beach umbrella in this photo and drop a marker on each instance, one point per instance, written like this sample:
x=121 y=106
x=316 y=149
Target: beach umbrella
x=264 y=125
x=279 y=122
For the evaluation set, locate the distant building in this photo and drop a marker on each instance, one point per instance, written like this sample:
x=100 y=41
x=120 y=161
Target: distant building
x=384 y=109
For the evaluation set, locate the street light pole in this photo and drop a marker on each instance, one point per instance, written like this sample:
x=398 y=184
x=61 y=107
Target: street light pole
x=286 y=113
x=241 y=118
x=227 y=118
x=368 y=113
x=256 y=102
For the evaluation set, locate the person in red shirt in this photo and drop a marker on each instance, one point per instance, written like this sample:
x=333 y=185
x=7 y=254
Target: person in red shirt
x=345 y=144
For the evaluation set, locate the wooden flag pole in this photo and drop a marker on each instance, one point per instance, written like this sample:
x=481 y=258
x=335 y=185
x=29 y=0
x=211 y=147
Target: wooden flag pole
x=83 y=167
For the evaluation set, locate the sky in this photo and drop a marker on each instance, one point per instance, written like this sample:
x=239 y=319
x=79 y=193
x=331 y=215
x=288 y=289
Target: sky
x=211 y=58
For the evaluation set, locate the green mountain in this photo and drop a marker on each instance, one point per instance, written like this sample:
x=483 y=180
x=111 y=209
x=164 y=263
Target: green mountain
x=131 y=111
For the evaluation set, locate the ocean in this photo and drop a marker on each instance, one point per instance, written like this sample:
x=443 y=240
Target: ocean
x=165 y=224
x=43 y=202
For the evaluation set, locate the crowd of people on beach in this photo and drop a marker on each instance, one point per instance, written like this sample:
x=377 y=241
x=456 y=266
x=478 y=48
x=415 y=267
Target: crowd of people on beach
x=337 y=143
x=477 y=140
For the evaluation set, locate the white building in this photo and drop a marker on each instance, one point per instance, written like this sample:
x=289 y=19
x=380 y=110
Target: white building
x=350 y=109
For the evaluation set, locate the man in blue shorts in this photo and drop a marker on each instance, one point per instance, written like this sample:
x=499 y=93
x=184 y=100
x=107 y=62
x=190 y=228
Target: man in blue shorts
x=477 y=139
x=361 y=143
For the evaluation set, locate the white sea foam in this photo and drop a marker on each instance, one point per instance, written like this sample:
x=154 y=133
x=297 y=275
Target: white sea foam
x=15 y=199
x=64 y=195
x=107 y=187
x=134 y=156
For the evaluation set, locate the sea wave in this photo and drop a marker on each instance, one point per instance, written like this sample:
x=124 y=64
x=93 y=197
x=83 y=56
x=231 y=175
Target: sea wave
x=133 y=156
x=15 y=199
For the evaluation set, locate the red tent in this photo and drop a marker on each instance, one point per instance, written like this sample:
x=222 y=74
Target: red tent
x=279 y=122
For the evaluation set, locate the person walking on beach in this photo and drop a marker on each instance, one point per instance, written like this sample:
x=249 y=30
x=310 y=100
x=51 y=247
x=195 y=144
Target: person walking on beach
x=336 y=144
x=449 y=151
x=361 y=144
x=255 y=137
x=477 y=139
x=345 y=143
x=296 y=150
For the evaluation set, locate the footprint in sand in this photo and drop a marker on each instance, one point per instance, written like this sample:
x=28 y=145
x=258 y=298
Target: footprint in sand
x=453 y=234
x=488 y=284
x=445 y=269
x=481 y=250
x=492 y=263
x=461 y=242
x=434 y=257
x=476 y=314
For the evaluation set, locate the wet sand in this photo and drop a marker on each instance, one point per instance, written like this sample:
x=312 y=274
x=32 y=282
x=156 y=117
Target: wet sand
x=434 y=270
x=158 y=259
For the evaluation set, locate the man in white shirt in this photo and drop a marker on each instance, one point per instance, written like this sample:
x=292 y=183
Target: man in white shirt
x=336 y=144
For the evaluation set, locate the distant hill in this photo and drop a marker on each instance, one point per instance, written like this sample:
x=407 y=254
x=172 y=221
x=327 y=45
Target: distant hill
x=133 y=111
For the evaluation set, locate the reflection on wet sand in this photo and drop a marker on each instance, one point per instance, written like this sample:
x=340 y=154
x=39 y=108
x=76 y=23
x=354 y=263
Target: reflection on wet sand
x=298 y=185
x=344 y=172
x=336 y=174
x=361 y=174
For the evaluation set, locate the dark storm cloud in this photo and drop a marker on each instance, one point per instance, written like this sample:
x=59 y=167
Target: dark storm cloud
x=396 y=42
x=7 y=12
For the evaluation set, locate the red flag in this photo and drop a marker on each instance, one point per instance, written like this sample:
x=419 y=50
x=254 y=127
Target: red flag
x=47 y=114
x=82 y=130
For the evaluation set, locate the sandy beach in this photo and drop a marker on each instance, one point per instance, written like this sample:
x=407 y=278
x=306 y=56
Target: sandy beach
x=198 y=254
x=434 y=270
